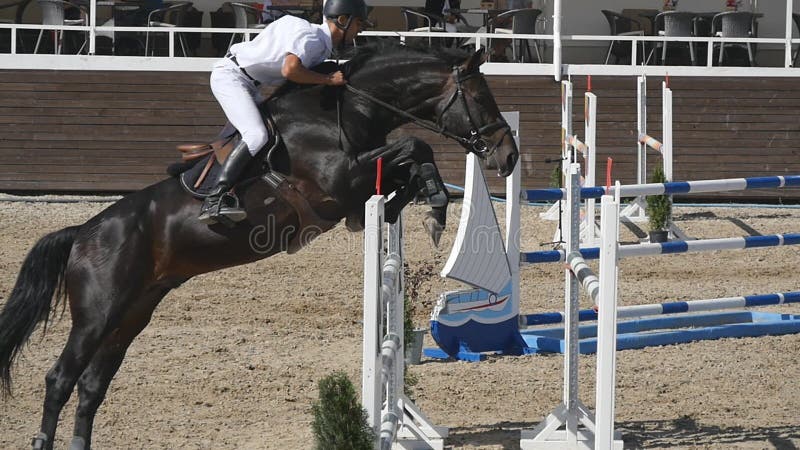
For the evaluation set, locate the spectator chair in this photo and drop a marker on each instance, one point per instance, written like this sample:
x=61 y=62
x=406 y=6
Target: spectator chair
x=171 y=16
x=245 y=16
x=620 y=25
x=523 y=21
x=417 y=20
x=734 y=24
x=53 y=14
x=5 y=35
x=676 y=24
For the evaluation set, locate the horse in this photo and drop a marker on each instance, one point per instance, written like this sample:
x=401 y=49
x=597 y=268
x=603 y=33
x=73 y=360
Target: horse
x=114 y=269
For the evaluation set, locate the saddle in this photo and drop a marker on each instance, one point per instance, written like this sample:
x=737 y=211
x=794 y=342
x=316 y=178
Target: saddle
x=201 y=162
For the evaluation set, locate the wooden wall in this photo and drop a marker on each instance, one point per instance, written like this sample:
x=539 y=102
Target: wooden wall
x=116 y=131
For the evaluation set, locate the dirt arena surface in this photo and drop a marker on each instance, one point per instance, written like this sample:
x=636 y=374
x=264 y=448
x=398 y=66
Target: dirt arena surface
x=231 y=359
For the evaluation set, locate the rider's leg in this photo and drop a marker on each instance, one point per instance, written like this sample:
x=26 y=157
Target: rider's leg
x=238 y=97
x=215 y=208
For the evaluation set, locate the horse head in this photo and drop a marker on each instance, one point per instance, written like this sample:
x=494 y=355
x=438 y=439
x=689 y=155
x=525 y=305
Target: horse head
x=440 y=89
x=469 y=112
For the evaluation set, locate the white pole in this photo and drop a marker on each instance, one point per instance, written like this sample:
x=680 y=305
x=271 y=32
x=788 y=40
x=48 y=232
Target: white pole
x=513 y=234
x=566 y=127
x=557 y=40
x=590 y=130
x=371 y=389
x=788 y=51
x=641 y=124
x=571 y=300
x=666 y=124
x=92 y=24
x=607 y=325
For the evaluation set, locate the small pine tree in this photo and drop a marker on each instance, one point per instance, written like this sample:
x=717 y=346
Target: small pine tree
x=659 y=207
x=555 y=177
x=340 y=423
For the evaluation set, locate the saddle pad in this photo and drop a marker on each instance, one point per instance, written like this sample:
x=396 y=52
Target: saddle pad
x=189 y=178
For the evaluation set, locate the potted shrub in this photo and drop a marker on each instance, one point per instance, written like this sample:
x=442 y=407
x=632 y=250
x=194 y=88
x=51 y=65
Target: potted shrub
x=340 y=422
x=659 y=210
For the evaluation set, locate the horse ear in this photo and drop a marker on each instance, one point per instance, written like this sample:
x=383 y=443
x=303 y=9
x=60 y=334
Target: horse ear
x=474 y=61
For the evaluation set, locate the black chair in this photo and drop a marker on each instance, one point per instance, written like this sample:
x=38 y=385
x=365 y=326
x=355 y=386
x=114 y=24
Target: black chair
x=675 y=24
x=419 y=20
x=173 y=15
x=523 y=21
x=5 y=34
x=245 y=16
x=620 y=25
x=734 y=24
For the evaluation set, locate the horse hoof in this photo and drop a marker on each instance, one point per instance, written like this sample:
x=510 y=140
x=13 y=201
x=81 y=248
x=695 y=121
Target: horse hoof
x=78 y=443
x=434 y=228
x=39 y=441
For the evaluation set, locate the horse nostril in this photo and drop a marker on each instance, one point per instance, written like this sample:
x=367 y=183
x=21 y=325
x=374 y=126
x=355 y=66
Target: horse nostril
x=512 y=160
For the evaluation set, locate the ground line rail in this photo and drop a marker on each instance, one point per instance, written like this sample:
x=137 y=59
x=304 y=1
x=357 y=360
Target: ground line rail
x=689 y=306
x=670 y=188
x=699 y=245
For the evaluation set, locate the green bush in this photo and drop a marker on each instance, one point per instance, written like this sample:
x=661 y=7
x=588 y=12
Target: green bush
x=340 y=423
x=659 y=207
x=555 y=177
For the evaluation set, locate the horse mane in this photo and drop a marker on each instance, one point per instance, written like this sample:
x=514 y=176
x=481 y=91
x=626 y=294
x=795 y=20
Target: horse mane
x=377 y=54
x=390 y=51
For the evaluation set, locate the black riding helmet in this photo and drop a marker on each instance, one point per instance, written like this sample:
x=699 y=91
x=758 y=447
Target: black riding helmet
x=351 y=8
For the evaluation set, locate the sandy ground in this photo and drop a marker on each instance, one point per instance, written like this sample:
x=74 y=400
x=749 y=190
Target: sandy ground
x=231 y=359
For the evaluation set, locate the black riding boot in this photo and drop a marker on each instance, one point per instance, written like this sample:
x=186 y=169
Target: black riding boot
x=221 y=205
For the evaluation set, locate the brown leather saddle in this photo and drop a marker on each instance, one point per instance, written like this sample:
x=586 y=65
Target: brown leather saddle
x=212 y=155
x=201 y=178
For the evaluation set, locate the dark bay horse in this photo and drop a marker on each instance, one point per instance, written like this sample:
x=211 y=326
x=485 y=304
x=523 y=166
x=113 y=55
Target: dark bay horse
x=115 y=268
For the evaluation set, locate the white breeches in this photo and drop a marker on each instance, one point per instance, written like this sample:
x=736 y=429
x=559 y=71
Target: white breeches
x=239 y=97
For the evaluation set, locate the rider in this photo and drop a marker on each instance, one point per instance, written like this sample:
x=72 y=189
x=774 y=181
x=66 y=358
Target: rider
x=284 y=50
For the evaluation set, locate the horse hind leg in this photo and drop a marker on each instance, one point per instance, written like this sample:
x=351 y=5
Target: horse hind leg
x=94 y=312
x=60 y=380
x=96 y=378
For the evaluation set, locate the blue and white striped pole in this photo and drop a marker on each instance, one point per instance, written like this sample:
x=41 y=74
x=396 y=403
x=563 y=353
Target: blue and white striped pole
x=671 y=188
x=700 y=245
x=629 y=312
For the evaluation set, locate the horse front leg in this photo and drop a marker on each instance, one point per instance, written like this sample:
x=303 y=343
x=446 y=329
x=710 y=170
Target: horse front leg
x=409 y=170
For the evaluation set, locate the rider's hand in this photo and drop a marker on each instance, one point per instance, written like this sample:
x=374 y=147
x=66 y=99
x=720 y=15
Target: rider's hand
x=336 y=79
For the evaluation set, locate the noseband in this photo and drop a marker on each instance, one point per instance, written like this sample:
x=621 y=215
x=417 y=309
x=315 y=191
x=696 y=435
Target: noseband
x=475 y=142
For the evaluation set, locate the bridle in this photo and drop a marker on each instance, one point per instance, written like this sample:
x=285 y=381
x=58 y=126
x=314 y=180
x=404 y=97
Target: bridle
x=475 y=142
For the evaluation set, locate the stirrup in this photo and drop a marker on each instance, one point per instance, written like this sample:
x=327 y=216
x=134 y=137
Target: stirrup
x=229 y=208
x=39 y=441
x=225 y=209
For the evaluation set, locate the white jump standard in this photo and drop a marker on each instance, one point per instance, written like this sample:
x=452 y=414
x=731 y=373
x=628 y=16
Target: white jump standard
x=571 y=148
x=398 y=422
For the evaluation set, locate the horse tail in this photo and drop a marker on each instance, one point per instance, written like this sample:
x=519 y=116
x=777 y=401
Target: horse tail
x=40 y=279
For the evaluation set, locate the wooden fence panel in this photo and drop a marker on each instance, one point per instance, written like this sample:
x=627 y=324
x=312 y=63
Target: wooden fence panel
x=74 y=131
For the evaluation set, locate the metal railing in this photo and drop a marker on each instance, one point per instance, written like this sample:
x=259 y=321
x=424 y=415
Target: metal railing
x=558 y=67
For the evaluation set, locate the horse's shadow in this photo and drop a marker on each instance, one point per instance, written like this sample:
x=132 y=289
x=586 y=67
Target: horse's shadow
x=683 y=432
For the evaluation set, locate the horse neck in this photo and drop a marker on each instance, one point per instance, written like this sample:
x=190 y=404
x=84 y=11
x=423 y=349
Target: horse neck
x=416 y=91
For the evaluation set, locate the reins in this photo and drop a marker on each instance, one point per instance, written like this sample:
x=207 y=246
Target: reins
x=475 y=142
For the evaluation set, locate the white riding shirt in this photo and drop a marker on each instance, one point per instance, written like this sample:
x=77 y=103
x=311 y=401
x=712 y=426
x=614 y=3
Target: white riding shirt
x=262 y=59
